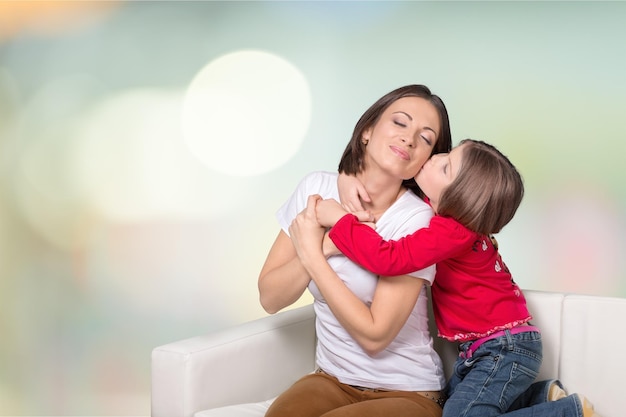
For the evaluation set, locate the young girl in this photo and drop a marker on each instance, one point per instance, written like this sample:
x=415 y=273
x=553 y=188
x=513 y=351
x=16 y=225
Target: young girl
x=474 y=191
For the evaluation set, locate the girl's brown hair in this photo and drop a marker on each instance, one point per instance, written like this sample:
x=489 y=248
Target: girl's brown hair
x=486 y=192
x=352 y=160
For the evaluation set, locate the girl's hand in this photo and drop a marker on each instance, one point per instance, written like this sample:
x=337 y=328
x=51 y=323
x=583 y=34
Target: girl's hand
x=350 y=189
x=306 y=232
x=330 y=211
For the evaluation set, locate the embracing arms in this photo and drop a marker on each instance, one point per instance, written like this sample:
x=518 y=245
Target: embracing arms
x=373 y=326
x=443 y=239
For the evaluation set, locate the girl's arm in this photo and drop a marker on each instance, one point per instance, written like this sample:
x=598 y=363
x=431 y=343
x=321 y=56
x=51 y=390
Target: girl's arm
x=283 y=279
x=374 y=326
x=443 y=239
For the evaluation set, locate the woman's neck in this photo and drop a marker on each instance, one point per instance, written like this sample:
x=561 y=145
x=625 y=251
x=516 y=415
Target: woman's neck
x=383 y=191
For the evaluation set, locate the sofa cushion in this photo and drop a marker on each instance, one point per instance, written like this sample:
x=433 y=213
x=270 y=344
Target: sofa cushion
x=239 y=410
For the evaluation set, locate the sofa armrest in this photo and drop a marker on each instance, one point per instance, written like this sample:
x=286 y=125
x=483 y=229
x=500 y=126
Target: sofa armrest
x=206 y=371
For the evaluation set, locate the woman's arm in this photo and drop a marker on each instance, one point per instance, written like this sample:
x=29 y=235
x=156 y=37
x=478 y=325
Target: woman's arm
x=283 y=279
x=373 y=327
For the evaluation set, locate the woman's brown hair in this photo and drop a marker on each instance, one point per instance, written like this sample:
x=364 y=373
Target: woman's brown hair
x=352 y=159
x=486 y=192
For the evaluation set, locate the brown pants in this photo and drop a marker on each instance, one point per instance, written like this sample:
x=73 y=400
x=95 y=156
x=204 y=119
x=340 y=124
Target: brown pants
x=320 y=394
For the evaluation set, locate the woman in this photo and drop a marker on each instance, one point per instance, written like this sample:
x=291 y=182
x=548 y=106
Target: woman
x=374 y=351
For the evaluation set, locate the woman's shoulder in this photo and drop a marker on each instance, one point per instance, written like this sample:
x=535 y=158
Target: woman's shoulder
x=410 y=203
x=320 y=177
x=405 y=216
x=409 y=197
x=319 y=182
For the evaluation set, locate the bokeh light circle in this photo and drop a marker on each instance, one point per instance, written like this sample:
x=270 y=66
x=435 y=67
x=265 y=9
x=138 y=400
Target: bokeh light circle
x=129 y=162
x=246 y=113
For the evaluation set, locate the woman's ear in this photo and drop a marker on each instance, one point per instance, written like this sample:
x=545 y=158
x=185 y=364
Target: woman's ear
x=365 y=136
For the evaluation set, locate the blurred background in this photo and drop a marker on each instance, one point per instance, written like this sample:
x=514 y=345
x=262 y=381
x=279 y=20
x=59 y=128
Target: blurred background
x=145 y=147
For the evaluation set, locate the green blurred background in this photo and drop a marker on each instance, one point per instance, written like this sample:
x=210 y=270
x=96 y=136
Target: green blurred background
x=145 y=146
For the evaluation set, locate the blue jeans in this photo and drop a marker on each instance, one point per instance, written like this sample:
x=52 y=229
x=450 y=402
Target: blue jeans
x=498 y=380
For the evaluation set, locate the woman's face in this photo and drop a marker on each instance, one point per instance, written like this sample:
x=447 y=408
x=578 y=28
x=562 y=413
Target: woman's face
x=403 y=137
x=438 y=173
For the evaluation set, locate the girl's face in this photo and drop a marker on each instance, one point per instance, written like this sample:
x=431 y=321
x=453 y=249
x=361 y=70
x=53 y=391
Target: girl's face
x=439 y=172
x=403 y=138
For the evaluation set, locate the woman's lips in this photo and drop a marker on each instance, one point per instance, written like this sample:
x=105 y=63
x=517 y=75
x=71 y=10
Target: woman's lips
x=400 y=152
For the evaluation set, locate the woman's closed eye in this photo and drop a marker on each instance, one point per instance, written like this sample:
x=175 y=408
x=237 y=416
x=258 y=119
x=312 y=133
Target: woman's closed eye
x=427 y=140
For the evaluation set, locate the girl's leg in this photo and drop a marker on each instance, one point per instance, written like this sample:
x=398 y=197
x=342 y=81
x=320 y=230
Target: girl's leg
x=570 y=406
x=540 y=392
x=499 y=372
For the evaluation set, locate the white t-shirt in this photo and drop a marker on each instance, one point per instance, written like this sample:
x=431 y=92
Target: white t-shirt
x=409 y=363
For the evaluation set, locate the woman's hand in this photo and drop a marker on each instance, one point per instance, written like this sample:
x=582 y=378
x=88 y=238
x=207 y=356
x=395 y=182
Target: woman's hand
x=307 y=234
x=351 y=192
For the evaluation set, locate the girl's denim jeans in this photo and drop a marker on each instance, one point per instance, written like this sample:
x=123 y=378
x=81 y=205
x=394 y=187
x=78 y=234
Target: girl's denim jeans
x=498 y=380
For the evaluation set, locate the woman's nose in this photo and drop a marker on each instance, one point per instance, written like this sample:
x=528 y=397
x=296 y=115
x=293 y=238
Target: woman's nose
x=410 y=142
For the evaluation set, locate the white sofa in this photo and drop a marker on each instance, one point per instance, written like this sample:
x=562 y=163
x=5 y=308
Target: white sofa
x=253 y=362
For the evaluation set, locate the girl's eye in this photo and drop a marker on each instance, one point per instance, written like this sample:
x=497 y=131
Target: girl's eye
x=445 y=169
x=399 y=123
x=427 y=140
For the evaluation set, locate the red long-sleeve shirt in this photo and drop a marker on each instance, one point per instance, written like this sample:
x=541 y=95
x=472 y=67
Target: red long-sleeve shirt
x=473 y=293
